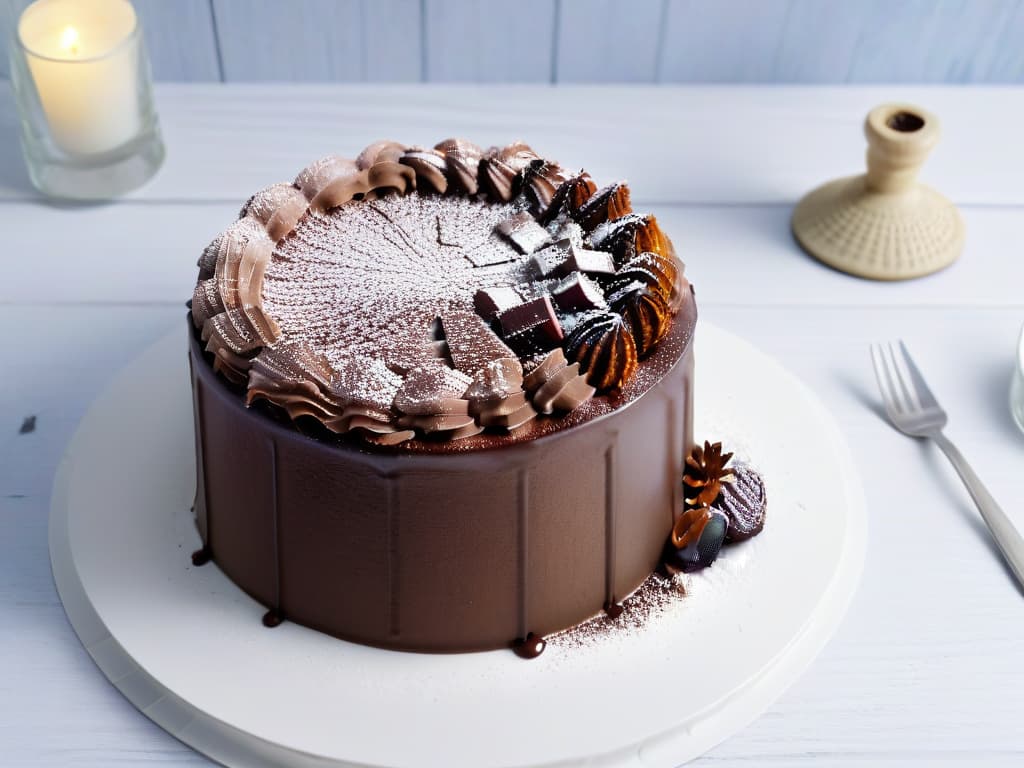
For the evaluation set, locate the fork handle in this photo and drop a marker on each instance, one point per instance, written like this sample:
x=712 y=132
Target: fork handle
x=1006 y=536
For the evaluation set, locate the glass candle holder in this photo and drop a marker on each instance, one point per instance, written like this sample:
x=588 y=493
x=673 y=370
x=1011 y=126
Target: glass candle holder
x=81 y=79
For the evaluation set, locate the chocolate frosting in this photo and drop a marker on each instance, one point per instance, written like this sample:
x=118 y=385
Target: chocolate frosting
x=351 y=298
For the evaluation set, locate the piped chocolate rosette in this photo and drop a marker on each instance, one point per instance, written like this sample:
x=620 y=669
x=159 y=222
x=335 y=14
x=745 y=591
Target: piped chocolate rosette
x=437 y=293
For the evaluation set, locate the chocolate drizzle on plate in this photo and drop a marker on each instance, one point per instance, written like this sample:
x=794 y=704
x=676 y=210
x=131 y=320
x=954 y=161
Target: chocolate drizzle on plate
x=272 y=619
x=529 y=647
x=201 y=556
x=613 y=610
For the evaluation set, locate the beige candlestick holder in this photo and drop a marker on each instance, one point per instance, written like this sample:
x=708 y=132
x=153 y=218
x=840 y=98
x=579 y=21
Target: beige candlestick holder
x=884 y=225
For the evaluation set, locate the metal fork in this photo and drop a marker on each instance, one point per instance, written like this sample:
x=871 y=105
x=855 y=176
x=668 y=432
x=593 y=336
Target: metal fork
x=914 y=411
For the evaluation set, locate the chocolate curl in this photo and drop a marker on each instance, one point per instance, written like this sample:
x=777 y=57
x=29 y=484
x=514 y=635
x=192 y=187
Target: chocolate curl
x=365 y=384
x=380 y=151
x=429 y=166
x=463 y=160
x=279 y=207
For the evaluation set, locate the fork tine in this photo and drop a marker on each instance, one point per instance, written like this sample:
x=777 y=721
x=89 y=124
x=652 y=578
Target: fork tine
x=899 y=405
x=885 y=386
x=909 y=397
x=924 y=395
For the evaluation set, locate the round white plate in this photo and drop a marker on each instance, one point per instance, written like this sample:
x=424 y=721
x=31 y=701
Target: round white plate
x=187 y=648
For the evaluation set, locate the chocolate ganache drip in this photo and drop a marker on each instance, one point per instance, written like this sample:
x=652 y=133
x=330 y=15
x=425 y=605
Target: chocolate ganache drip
x=435 y=293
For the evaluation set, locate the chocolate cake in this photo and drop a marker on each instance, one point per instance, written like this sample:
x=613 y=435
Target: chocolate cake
x=442 y=397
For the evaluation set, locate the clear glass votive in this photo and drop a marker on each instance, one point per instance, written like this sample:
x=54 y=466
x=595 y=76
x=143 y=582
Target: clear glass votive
x=82 y=83
x=1017 y=386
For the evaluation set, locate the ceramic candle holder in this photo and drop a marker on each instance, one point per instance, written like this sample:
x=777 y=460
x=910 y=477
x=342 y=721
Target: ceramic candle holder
x=883 y=224
x=81 y=79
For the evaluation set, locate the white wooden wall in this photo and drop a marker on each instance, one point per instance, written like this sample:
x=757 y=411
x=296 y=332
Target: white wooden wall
x=792 y=41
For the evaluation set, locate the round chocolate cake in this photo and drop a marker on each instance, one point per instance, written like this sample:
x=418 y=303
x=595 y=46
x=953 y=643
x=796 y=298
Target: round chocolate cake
x=442 y=397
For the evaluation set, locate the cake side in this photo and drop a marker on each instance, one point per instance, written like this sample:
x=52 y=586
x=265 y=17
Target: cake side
x=445 y=553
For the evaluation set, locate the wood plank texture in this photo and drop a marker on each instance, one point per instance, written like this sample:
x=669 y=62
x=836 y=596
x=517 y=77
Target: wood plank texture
x=810 y=41
x=785 y=41
x=608 y=41
x=180 y=39
x=490 y=41
x=321 y=40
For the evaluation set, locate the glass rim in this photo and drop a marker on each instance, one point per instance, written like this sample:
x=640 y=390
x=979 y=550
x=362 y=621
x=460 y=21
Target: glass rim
x=131 y=37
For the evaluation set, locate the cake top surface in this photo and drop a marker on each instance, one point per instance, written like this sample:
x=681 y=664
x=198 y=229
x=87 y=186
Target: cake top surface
x=442 y=299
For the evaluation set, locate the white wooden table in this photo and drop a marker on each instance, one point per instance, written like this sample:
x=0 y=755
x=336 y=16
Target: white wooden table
x=928 y=668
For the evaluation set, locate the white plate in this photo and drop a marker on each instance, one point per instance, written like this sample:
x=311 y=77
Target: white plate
x=187 y=648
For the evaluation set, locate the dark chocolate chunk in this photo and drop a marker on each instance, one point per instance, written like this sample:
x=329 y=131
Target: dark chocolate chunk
x=577 y=293
x=586 y=260
x=524 y=232
x=488 y=302
x=471 y=342
x=536 y=315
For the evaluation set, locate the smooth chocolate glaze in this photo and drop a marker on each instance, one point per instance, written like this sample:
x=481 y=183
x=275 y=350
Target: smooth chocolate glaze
x=458 y=550
x=272 y=619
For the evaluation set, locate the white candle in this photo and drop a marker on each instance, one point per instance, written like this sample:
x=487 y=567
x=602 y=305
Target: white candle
x=84 y=59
